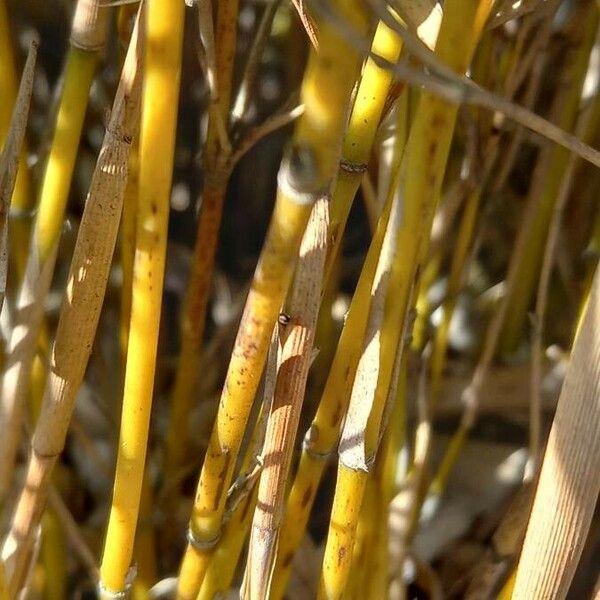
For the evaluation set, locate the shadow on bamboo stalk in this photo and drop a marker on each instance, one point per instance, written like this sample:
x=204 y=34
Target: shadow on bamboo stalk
x=78 y=320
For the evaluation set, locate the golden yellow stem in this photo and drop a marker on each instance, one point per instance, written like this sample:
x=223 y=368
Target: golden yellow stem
x=22 y=201
x=53 y=554
x=77 y=324
x=420 y=177
x=162 y=66
x=305 y=174
x=86 y=38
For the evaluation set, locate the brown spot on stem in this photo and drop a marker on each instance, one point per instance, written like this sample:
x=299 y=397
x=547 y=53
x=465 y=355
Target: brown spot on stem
x=337 y=413
x=306 y=497
x=222 y=477
x=341 y=554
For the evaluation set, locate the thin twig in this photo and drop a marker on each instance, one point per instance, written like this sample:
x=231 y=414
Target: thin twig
x=73 y=533
x=286 y=115
x=240 y=106
x=206 y=33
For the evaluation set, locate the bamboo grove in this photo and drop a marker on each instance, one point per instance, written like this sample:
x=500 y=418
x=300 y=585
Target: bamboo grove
x=266 y=270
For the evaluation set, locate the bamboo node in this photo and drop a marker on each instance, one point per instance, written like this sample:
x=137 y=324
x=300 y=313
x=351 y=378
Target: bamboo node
x=351 y=166
x=306 y=447
x=298 y=177
x=21 y=214
x=104 y=592
x=201 y=545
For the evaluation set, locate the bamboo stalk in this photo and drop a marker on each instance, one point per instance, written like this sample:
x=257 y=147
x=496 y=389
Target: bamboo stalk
x=569 y=485
x=323 y=434
x=385 y=478
x=217 y=169
x=359 y=139
x=305 y=175
x=87 y=36
x=420 y=176
x=221 y=570
x=297 y=339
x=9 y=159
x=354 y=444
x=77 y=323
x=243 y=494
x=22 y=201
x=162 y=65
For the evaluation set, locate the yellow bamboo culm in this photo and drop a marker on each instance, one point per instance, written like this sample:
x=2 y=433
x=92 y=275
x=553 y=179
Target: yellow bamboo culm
x=53 y=551
x=221 y=570
x=216 y=176
x=87 y=38
x=360 y=136
x=323 y=434
x=78 y=320
x=22 y=201
x=306 y=173
x=356 y=150
x=420 y=178
x=162 y=55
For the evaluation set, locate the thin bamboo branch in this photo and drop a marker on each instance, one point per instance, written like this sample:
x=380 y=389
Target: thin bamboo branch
x=247 y=85
x=287 y=114
x=78 y=320
x=568 y=488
